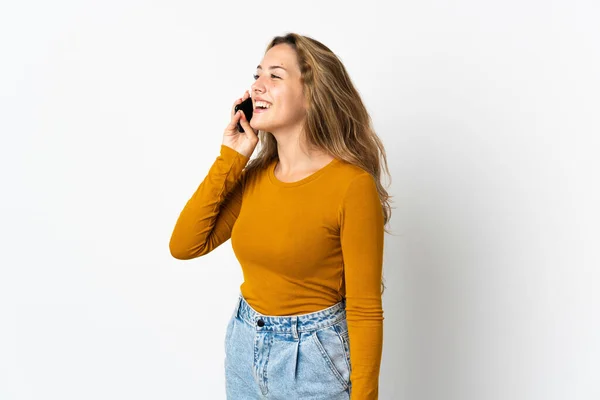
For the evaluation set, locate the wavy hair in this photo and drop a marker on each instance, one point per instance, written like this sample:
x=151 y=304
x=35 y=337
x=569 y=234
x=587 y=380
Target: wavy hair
x=337 y=121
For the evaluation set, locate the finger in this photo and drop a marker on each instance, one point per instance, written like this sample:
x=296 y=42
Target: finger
x=234 y=120
x=238 y=101
x=246 y=125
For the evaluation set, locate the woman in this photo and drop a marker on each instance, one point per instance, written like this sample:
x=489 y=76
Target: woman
x=306 y=220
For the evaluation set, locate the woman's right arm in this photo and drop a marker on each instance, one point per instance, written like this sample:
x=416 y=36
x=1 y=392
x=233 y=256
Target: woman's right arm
x=208 y=217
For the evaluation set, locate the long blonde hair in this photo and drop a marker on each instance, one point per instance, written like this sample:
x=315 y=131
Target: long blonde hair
x=337 y=121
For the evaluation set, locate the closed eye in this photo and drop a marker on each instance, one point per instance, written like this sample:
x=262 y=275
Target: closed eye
x=272 y=76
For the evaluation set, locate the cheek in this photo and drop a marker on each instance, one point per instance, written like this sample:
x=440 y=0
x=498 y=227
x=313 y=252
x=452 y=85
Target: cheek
x=289 y=102
x=300 y=104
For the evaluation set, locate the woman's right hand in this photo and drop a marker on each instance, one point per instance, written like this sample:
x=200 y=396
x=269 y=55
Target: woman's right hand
x=242 y=142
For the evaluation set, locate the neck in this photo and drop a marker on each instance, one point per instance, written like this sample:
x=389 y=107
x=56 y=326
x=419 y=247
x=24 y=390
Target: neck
x=295 y=155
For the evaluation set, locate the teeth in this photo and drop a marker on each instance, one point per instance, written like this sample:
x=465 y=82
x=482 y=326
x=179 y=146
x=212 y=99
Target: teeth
x=262 y=104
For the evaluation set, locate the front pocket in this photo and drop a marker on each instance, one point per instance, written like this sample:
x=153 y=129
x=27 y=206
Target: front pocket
x=333 y=350
x=228 y=332
x=342 y=330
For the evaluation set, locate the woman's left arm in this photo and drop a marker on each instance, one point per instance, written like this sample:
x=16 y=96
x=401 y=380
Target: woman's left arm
x=361 y=234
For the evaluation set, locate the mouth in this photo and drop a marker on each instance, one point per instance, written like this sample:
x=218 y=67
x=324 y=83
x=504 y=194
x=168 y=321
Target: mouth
x=259 y=110
x=261 y=106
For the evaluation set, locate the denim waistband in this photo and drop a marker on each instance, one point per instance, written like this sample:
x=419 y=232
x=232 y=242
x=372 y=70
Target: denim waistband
x=290 y=323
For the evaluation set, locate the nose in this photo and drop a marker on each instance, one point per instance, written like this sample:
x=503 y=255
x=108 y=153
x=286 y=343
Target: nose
x=257 y=87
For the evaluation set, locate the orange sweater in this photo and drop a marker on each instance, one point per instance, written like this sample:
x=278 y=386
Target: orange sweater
x=302 y=246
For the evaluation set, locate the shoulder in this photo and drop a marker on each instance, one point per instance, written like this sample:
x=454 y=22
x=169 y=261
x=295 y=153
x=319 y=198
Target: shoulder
x=359 y=195
x=352 y=177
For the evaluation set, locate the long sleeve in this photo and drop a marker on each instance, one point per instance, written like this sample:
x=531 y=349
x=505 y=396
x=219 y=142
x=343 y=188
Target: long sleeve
x=207 y=219
x=362 y=234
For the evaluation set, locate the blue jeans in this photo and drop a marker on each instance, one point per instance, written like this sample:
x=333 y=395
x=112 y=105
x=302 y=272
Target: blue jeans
x=287 y=357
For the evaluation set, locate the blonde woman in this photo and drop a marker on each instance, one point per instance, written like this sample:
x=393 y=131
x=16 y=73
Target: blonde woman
x=306 y=219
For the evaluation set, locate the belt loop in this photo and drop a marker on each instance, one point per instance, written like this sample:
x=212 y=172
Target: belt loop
x=295 y=327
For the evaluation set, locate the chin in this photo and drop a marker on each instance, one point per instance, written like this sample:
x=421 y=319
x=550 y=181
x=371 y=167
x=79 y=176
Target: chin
x=259 y=127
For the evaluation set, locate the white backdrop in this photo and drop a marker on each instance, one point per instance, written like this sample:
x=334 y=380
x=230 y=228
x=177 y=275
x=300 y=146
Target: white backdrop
x=112 y=112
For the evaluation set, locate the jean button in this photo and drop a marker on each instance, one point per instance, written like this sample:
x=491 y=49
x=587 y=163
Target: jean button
x=260 y=323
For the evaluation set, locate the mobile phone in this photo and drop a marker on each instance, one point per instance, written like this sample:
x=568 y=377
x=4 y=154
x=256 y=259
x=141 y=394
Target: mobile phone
x=247 y=108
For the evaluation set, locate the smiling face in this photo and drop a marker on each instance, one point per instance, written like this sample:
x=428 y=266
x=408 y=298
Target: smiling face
x=278 y=83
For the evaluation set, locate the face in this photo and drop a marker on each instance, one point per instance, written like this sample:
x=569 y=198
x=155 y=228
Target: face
x=278 y=82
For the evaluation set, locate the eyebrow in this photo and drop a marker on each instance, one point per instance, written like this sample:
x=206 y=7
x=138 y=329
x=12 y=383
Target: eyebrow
x=272 y=67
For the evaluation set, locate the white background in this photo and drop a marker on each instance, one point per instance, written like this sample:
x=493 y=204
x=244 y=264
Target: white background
x=111 y=113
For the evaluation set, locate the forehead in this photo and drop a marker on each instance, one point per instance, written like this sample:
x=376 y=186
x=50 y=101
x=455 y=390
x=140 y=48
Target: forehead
x=281 y=55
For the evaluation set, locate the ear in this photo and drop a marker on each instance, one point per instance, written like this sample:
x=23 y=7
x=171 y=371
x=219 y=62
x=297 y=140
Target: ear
x=306 y=102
